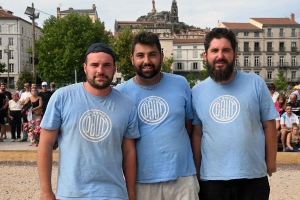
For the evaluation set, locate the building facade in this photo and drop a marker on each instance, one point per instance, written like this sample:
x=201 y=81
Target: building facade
x=267 y=46
x=15 y=36
x=91 y=12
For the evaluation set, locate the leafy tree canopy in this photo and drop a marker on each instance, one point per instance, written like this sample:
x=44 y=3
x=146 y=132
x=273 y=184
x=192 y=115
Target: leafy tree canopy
x=281 y=83
x=63 y=44
x=122 y=48
x=25 y=76
x=191 y=79
x=3 y=68
x=166 y=65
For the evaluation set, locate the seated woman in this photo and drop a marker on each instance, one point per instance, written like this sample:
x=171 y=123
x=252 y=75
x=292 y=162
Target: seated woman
x=280 y=107
x=293 y=139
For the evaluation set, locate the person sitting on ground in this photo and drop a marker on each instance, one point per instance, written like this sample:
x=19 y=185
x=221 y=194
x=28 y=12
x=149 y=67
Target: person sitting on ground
x=286 y=121
x=295 y=104
x=280 y=107
x=293 y=139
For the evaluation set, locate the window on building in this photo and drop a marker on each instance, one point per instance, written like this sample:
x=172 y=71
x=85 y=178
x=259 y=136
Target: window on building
x=269 y=47
x=294 y=61
x=281 y=61
x=293 y=32
x=270 y=63
x=0 y=29
x=257 y=73
x=256 y=34
x=256 y=61
x=256 y=47
x=246 y=61
x=281 y=33
x=195 y=52
x=293 y=74
x=179 y=66
x=195 y=65
x=11 y=68
x=179 y=54
x=0 y=54
x=10 y=28
x=236 y=62
x=11 y=54
x=246 y=47
x=246 y=33
x=293 y=47
x=269 y=32
x=269 y=74
x=22 y=42
x=10 y=41
x=0 y=41
x=281 y=46
x=22 y=30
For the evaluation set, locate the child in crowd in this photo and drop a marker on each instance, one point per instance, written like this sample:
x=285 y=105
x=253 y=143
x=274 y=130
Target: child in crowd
x=293 y=139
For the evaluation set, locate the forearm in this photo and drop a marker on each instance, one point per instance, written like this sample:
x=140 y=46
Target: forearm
x=189 y=127
x=196 y=147
x=271 y=142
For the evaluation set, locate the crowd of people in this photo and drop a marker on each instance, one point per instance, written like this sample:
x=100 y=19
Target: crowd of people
x=288 y=108
x=21 y=106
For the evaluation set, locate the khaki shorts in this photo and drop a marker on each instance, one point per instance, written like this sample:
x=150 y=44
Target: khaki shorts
x=183 y=188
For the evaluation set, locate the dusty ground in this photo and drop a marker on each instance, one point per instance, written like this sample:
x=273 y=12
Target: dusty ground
x=19 y=181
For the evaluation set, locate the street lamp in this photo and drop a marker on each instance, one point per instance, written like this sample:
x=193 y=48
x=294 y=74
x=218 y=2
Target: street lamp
x=8 y=68
x=30 y=11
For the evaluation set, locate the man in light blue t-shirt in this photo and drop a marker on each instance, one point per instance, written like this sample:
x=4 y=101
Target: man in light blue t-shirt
x=95 y=138
x=165 y=167
x=233 y=125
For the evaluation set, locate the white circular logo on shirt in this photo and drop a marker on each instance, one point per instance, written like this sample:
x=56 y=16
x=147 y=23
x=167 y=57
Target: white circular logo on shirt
x=224 y=109
x=153 y=110
x=95 y=125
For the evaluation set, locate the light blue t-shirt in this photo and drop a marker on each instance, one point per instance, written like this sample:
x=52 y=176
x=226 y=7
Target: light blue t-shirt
x=163 y=150
x=90 y=139
x=231 y=114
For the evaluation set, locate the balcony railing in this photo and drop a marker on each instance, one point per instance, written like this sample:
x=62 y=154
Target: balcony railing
x=294 y=64
x=270 y=64
x=294 y=35
x=282 y=49
x=269 y=49
x=269 y=34
x=281 y=34
x=246 y=64
x=257 y=64
x=282 y=64
x=246 y=49
x=256 y=49
x=293 y=49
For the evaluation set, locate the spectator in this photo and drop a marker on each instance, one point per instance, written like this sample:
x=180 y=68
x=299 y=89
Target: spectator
x=295 y=104
x=280 y=107
x=23 y=98
x=274 y=94
x=293 y=139
x=52 y=87
x=45 y=95
x=286 y=121
x=14 y=114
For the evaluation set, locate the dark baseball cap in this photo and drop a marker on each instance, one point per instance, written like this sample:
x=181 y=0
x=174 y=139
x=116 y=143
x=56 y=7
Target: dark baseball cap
x=100 y=47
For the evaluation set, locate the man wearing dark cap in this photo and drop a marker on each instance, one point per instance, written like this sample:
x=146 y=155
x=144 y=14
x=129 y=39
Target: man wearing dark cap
x=95 y=138
x=45 y=95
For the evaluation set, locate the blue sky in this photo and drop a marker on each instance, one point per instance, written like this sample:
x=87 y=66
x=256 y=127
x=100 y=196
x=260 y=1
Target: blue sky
x=199 y=13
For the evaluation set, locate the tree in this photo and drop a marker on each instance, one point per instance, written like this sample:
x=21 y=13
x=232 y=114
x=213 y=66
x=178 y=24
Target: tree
x=203 y=61
x=203 y=74
x=122 y=48
x=191 y=79
x=281 y=83
x=2 y=68
x=166 y=65
x=63 y=44
x=25 y=76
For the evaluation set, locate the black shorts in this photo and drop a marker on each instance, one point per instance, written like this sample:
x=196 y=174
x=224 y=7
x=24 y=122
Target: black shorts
x=238 y=189
x=2 y=116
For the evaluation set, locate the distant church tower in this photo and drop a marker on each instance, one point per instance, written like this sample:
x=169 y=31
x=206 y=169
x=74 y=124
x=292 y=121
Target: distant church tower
x=174 y=12
x=153 y=7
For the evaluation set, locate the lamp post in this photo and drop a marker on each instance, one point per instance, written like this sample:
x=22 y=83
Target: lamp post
x=30 y=11
x=8 y=68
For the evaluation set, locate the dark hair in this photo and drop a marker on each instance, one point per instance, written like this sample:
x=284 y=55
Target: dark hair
x=288 y=104
x=53 y=85
x=146 y=38
x=271 y=85
x=220 y=33
x=2 y=83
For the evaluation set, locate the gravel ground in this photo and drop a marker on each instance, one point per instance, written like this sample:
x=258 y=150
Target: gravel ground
x=19 y=181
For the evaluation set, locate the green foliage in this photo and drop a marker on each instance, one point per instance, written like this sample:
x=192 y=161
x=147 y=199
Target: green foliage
x=122 y=49
x=63 y=44
x=281 y=83
x=2 y=67
x=191 y=79
x=203 y=74
x=166 y=65
x=25 y=76
x=203 y=61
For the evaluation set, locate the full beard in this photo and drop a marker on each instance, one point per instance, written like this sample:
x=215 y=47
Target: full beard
x=99 y=86
x=148 y=75
x=220 y=75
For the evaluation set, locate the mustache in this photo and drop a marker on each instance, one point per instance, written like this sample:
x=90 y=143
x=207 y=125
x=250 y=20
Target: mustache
x=102 y=75
x=148 y=65
x=221 y=60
